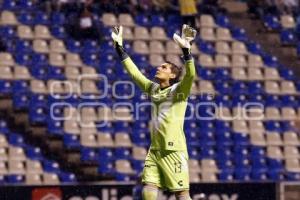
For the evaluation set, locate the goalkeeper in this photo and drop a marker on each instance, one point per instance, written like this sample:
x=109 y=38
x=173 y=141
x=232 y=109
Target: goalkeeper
x=166 y=164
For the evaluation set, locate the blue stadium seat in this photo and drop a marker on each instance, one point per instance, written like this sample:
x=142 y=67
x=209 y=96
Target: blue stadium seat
x=289 y=100
x=74 y=46
x=5 y=87
x=56 y=73
x=39 y=71
x=16 y=140
x=288 y=37
x=39 y=59
x=222 y=21
x=15 y=179
x=270 y=60
x=273 y=126
x=257 y=152
x=9 y=5
x=26 y=18
x=239 y=99
x=287 y=126
x=259 y=164
x=240 y=87
x=105 y=154
x=58 y=32
x=41 y=18
x=273 y=100
x=240 y=139
x=138 y=165
x=91 y=46
x=88 y=155
x=255 y=87
x=239 y=34
x=272 y=22
x=58 y=18
x=158 y=20
x=223 y=138
x=225 y=176
x=242 y=174
x=142 y=20
x=206 y=47
x=26 y=5
x=207 y=152
x=23 y=59
x=20 y=100
x=67 y=177
x=90 y=59
x=287 y=74
x=8 y=32
x=222 y=125
x=122 y=177
x=34 y=153
x=106 y=167
x=275 y=175
x=50 y=166
x=20 y=86
x=206 y=137
x=23 y=46
x=194 y=153
x=259 y=175
x=206 y=74
x=223 y=100
x=192 y=137
x=275 y=165
x=38 y=114
x=254 y=48
x=257 y=98
x=70 y=141
x=54 y=127
x=224 y=155
x=223 y=87
x=4 y=127
x=120 y=126
x=293 y=176
x=173 y=20
x=222 y=74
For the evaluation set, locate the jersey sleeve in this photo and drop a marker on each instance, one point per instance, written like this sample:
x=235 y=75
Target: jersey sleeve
x=185 y=85
x=143 y=83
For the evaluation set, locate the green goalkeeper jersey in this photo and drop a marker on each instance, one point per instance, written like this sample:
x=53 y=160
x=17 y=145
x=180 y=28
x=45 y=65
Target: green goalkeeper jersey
x=168 y=107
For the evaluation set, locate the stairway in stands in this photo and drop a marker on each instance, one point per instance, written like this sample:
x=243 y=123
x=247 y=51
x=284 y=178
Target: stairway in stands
x=270 y=41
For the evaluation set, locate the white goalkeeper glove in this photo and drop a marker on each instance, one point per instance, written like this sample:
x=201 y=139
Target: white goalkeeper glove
x=188 y=34
x=117 y=36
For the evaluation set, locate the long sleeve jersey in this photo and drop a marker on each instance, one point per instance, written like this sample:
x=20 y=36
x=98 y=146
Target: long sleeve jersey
x=168 y=106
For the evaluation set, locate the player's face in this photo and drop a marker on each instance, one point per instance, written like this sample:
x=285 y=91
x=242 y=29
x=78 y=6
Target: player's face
x=164 y=72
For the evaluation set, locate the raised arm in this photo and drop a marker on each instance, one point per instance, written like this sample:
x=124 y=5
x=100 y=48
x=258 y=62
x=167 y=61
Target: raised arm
x=143 y=82
x=185 y=85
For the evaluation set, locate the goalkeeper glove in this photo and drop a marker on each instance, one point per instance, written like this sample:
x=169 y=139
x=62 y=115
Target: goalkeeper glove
x=188 y=34
x=117 y=36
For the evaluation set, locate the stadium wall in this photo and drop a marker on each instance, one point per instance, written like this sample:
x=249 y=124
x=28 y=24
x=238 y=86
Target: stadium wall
x=213 y=191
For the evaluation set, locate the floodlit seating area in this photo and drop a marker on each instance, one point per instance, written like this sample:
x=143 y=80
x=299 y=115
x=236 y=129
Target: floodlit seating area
x=21 y=162
x=243 y=130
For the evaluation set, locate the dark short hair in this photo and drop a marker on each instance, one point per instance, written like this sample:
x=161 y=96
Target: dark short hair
x=176 y=70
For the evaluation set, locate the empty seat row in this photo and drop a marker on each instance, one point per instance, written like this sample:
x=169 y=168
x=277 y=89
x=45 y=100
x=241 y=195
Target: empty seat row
x=221 y=60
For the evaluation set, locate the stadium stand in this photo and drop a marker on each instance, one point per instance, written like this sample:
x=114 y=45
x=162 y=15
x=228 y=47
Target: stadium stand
x=54 y=80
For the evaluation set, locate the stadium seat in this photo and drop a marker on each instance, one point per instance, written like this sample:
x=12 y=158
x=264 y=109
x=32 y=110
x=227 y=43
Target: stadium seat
x=109 y=19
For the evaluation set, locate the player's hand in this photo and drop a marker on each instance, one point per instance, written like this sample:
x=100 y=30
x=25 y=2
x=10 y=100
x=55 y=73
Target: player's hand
x=117 y=35
x=188 y=34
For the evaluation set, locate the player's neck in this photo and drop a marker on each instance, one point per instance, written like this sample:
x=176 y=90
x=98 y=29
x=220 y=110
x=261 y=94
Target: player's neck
x=164 y=84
